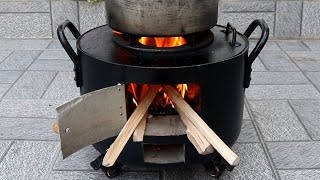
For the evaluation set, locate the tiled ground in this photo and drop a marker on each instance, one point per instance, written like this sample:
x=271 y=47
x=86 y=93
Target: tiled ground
x=280 y=138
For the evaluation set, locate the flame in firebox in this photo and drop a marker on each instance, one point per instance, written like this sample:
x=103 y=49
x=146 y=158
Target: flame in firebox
x=163 y=42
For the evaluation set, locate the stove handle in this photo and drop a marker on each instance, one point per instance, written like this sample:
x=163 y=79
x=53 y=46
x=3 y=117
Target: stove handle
x=256 y=51
x=67 y=47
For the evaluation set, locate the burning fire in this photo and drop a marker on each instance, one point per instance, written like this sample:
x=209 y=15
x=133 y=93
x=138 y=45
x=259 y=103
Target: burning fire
x=163 y=42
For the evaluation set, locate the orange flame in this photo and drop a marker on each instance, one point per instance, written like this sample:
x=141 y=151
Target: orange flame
x=164 y=42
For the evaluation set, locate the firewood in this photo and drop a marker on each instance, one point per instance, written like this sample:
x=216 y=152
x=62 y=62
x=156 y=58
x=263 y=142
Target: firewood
x=55 y=127
x=115 y=149
x=197 y=139
x=139 y=132
x=215 y=141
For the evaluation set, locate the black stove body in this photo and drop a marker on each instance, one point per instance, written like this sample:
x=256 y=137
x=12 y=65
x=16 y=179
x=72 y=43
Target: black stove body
x=217 y=60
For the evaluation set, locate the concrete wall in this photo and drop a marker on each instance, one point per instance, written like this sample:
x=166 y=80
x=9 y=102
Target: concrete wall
x=40 y=18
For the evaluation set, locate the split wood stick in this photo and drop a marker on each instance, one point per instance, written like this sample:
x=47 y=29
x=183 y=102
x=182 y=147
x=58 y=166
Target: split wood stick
x=196 y=138
x=115 y=149
x=56 y=128
x=216 y=142
x=139 y=132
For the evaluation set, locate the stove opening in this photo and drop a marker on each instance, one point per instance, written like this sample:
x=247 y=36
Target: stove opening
x=162 y=104
x=163 y=153
x=163 y=42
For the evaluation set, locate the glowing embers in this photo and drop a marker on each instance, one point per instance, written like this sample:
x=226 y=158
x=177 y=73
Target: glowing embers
x=162 y=104
x=163 y=42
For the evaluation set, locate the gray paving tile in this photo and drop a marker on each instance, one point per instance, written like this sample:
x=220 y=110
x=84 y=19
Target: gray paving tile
x=277 y=61
x=19 y=60
x=309 y=65
x=25 y=25
x=54 y=54
x=63 y=87
x=304 y=55
x=91 y=15
x=299 y=174
x=28 y=160
x=258 y=66
x=292 y=45
x=12 y=7
x=314 y=45
x=55 y=44
x=78 y=161
x=259 y=92
x=52 y=65
x=24 y=44
x=245 y=113
x=270 y=46
x=277 y=121
x=288 y=155
x=248 y=6
x=27 y=129
x=310 y=19
x=4 y=88
x=31 y=85
x=278 y=78
x=4 y=145
x=315 y=78
x=4 y=54
x=29 y=108
x=288 y=19
x=7 y=77
x=83 y=175
x=248 y=133
x=309 y=113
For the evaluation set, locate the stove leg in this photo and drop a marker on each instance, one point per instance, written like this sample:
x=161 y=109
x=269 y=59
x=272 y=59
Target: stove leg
x=110 y=172
x=217 y=166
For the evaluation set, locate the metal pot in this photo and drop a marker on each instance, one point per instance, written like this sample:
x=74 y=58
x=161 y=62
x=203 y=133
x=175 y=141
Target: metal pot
x=162 y=17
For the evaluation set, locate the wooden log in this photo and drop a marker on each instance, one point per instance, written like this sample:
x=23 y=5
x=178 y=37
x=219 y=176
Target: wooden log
x=115 y=149
x=139 y=132
x=201 y=144
x=215 y=141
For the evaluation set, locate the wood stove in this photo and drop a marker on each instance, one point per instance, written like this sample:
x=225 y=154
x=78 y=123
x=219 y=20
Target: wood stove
x=210 y=69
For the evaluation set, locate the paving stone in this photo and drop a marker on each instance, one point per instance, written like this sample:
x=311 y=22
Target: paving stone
x=311 y=19
x=299 y=174
x=277 y=61
x=4 y=145
x=288 y=155
x=282 y=92
x=309 y=113
x=25 y=25
x=250 y=6
x=7 y=77
x=309 y=65
x=54 y=54
x=27 y=129
x=245 y=113
x=288 y=19
x=7 y=7
x=28 y=160
x=19 y=60
x=270 y=46
x=248 y=133
x=4 y=54
x=4 y=88
x=304 y=55
x=63 y=87
x=55 y=44
x=278 y=78
x=314 y=45
x=24 y=44
x=258 y=66
x=29 y=108
x=31 y=85
x=78 y=161
x=315 y=78
x=241 y=21
x=277 y=121
x=52 y=65
x=64 y=10
x=83 y=175
x=292 y=45
x=91 y=15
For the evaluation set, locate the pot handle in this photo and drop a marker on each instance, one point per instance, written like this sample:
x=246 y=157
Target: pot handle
x=67 y=47
x=255 y=52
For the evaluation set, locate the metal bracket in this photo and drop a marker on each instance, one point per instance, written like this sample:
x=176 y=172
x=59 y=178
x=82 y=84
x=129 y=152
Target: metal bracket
x=231 y=29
